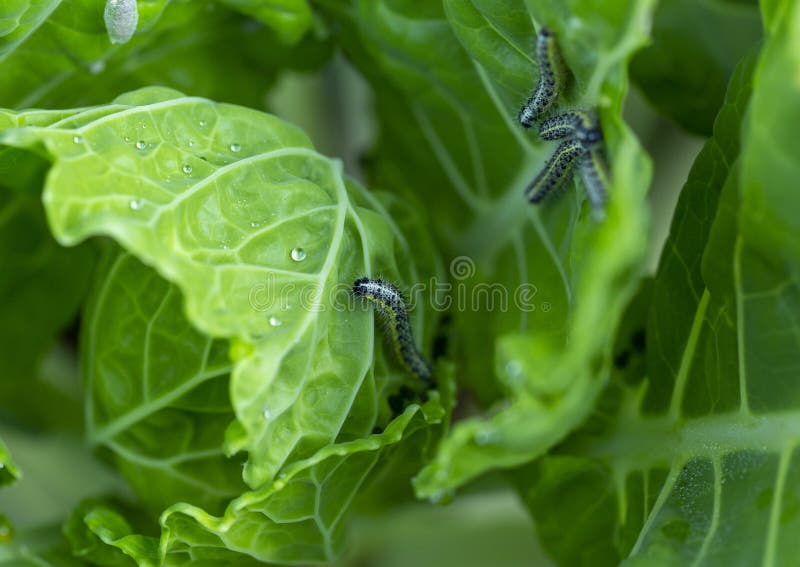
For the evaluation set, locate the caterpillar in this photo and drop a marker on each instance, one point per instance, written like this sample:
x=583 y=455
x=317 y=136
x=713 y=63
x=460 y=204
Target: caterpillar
x=552 y=76
x=121 y=17
x=556 y=172
x=391 y=307
x=578 y=124
x=593 y=170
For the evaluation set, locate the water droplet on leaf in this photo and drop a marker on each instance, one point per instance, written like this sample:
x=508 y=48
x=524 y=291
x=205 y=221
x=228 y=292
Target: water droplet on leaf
x=187 y=169
x=135 y=204
x=77 y=139
x=235 y=147
x=141 y=144
x=298 y=254
x=274 y=321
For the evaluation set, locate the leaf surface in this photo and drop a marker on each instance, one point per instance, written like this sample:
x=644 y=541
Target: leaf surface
x=449 y=83
x=695 y=462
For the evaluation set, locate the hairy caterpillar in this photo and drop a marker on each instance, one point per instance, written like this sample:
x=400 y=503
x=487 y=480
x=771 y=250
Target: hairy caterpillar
x=121 y=17
x=594 y=174
x=552 y=76
x=391 y=307
x=578 y=124
x=556 y=172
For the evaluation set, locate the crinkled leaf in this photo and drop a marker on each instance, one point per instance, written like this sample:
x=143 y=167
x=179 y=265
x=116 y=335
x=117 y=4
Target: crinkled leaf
x=698 y=463
x=449 y=82
x=101 y=536
x=298 y=518
x=696 y=46
x=261 y=234
x=157 y=389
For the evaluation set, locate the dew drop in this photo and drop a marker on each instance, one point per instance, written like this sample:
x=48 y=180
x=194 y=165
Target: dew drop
x=187 y=169
x=203 y=123
x=275 y=322
x=126 y=139
x=77 y=139
x=298 y=254
x=141 y=144
x=235 y=147
x=135 y=204
x=191 y=143
x=254 y=224
x=2 y=466
x=267 y=413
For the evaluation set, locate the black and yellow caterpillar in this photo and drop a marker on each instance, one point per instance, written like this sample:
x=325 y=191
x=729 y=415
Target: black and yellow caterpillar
x=391 y=308
x=582 y=137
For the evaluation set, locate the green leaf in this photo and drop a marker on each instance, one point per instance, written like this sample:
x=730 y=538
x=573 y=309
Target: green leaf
x=696 y=46
x=42 y=547
x=290 y=19
x=449 y=82
x=41 y=288
x=101 y=536
x=156 y=389
x=696 y=461
x=299 y=518
x=60 y=54
x=158 y=171
x=9 y=472
x=18 y=19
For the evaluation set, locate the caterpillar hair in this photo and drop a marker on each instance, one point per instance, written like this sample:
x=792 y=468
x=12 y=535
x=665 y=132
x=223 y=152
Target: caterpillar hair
x=579 y=124
x=552 y=76
x=593 y=170
x=391 y=307
x=556 y=172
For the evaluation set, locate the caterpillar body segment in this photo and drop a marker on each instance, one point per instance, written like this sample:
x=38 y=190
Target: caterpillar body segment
x=556 y=172
x=579 y=124
x=593 y=169
x=552 y=76
x=391 y=308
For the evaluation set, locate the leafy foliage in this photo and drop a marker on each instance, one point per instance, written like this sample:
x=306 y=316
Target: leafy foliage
x=188 y=260
x=694 y=464
x=685 y=71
